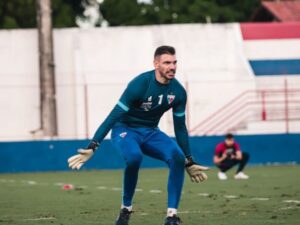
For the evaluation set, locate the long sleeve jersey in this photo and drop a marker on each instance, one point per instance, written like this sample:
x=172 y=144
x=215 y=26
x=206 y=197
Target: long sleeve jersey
x=143 y=103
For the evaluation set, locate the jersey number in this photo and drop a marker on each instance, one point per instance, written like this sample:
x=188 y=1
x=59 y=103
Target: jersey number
x=160 y=99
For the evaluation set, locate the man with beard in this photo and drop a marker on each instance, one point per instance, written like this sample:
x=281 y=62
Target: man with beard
x=134 y=123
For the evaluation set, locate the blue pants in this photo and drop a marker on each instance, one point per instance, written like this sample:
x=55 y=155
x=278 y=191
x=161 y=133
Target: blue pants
x=132 y=143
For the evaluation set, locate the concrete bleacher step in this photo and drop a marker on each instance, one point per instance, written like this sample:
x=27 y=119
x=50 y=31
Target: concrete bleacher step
x=270 y=127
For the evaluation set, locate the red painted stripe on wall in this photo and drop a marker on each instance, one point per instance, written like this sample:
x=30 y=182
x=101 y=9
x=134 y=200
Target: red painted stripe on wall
x=257 y=31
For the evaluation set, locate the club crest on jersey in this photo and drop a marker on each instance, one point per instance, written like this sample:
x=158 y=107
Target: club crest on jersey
x=123 y=134
x=170 y=98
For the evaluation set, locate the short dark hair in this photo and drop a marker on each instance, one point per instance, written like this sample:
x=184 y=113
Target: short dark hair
x=229 y=136
x=164 y=49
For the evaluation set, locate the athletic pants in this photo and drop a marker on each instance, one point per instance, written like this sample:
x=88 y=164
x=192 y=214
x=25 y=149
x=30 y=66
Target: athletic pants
x=229 y=163
x=133 y=143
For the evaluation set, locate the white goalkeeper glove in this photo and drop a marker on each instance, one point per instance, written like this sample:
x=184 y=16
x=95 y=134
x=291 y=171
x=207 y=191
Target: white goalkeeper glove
x=195 y=171
x=76 y=161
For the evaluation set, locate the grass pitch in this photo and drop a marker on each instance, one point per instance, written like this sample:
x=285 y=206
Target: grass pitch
x=271 y=196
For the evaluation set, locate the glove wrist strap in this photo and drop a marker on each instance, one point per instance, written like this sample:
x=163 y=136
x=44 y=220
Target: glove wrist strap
x=189 y=161
x=93 y=145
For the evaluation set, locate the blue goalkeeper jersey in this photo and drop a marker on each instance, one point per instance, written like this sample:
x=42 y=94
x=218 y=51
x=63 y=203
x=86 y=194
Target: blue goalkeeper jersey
x=143 y=103
x=146 y=100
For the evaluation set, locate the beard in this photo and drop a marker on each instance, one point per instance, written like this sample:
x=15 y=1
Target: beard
x=169 y=74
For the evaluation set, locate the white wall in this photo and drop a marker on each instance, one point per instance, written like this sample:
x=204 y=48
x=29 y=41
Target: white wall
x=103 y=60
x=19 y=99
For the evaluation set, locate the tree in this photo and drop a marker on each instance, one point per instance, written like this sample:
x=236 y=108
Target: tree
x=129 y=12
x=121 y=12
x=22 y=13
x=15 y=14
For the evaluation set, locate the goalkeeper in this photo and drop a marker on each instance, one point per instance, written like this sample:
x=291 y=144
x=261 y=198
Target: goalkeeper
x=134 y=123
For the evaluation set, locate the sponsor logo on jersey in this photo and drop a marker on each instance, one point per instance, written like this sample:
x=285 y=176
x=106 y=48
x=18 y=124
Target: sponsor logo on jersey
x=170 y=98
x=123 y=134
x=146 y=106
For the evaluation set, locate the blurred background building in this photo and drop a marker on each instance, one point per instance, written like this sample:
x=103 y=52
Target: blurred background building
x=238 y=60
x=240 y=77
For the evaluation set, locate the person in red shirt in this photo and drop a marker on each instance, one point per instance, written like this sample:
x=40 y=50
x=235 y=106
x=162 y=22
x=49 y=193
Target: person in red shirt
x=227 y=155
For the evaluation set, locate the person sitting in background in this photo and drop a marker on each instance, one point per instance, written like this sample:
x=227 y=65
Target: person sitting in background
x=227 y=155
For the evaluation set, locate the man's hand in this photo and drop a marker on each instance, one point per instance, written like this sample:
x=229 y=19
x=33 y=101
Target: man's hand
x=233 y=156
x=224 y=156
x=238 y=155
x=218 y=160
x=195 y=171
x=76 y=161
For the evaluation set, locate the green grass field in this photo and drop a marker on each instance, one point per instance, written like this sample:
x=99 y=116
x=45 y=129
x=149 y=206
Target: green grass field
x=271 y=196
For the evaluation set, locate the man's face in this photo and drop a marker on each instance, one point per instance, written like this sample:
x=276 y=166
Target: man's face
x=229 y=141
x=166 y=66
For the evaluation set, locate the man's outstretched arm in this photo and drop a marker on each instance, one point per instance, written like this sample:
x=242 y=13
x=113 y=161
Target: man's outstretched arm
x=129 y=96
x=76 y=161
x=118 y=111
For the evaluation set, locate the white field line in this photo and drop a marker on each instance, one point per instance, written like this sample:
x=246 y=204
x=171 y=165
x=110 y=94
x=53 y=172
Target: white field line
x=41 y=218
x=230 y=196
x=289 y=207
x=144 y=214
x=155 y=191
x=31 y=182
x=203 y=194
x=7 y=181
x=102 y=187
x=260 y=199
x=138 y=190
x=116 y=189
x=185 y=212
x=193 y=212
x=292 y=201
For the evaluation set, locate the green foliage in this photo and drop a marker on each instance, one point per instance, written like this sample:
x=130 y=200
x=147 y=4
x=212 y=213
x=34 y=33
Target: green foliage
x=17 y=13
x=177 y=11
x=22 y=13
x=64 y=12
x=9 y=22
